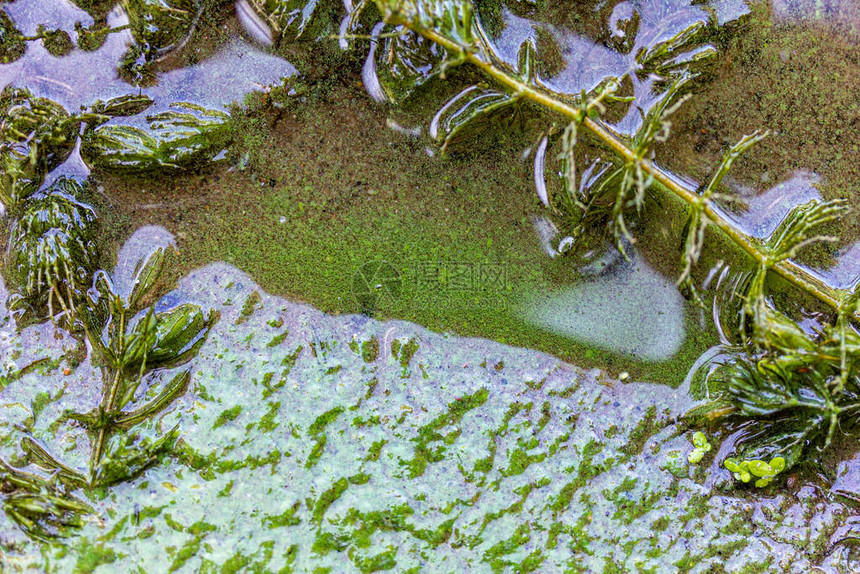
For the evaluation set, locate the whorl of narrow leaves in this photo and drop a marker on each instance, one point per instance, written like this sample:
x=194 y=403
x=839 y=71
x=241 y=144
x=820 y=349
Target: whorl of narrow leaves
x=454 y=20
x=53 y=247
x=41 y=508
x=183 y=137
x=797 y=230
x=698 y=222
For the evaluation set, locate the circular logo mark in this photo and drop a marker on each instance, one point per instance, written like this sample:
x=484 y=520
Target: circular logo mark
x=376 y=283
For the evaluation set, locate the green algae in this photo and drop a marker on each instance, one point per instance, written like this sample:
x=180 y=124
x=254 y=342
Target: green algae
x=439 y=472
x=433 y=444
x=319 y=227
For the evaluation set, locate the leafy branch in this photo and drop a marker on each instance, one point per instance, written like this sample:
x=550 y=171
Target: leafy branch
x=453 y=25
x=795 y=388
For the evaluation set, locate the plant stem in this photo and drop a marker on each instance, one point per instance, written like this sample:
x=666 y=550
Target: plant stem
x=790 y=271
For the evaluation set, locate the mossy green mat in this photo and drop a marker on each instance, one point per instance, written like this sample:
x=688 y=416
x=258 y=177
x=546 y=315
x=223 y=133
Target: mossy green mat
x=317 y=443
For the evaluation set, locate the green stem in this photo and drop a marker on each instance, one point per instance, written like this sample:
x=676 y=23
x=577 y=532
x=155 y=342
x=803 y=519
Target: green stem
x=109 y=400
x=790 y=271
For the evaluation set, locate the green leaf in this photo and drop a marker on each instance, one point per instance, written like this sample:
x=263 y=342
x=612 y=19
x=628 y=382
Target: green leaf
x=455 y=20
x=138 y=343
x=123 y=147
x=146 y=275
x=760 y=469
x=680 y=52
x=184 y=137
x=53 y=249
x=405 y=62
x=796 y=231
x=179 y=332
x=129 y=105
x=472 y=106
x=160 y=26
x=129 y=453
x=41 y=457
x=696 y=455
x=57 y=42
x=288 y=19
x=163 y=398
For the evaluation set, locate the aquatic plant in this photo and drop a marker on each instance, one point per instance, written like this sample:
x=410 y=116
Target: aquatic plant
x=185 y=136
x=12 y=42
x=130 y=343
x=796 y=388
x=288 y=19
x=134 y=345
x=51 y=242
x=158 y=28
x=42 y=508
x=52 y=247
x=38 y=134
x=53 y=260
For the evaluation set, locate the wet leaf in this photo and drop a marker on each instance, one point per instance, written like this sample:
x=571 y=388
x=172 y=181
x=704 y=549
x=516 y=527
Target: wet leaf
x=163 y=398
x=159 y=26
x=797 y=230
x=36 y=136
x=121 y=106
x=129 y=453
x=288 y=19
x=178 y=333
x=455 y=20
x=678 y=54
x=53 y=248
x=405 y=62
x=138 y=342
x=57 y=42
x=41 y=508
x=92 y=38
x=465 y=111
x=146 y=275
x=181 y=138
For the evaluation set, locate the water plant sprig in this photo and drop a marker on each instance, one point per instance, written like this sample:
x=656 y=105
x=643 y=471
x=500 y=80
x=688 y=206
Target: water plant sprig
x=797 y=388
x=452 y=24
x=53 y=264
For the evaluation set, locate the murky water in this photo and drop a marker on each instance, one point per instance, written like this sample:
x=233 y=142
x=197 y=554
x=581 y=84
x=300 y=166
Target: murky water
x=384 y=445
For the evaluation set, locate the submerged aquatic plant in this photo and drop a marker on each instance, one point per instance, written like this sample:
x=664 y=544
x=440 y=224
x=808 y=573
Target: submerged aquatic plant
x=158 y=27
x=796 y=389
x=131 y=343
x=184 y=136
x=53 y=263
x=138 y=350
x=42 y=508
x=52 y=247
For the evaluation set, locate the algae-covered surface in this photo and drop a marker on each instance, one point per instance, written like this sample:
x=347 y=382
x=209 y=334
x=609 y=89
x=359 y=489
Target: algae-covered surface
x=340 y=413
x=318 y=443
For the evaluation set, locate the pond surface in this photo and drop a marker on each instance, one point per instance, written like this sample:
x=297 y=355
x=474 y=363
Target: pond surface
x=337 y=414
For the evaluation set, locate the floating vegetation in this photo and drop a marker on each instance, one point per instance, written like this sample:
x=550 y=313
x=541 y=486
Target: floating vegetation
x=797 y=389
x=52 y=247
x=42 y=508
x=158 y=27
x=53 y=263
x=793 y=389
x=131 y=343
x=185 y=136
x=12 y=42
x=288 y=19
